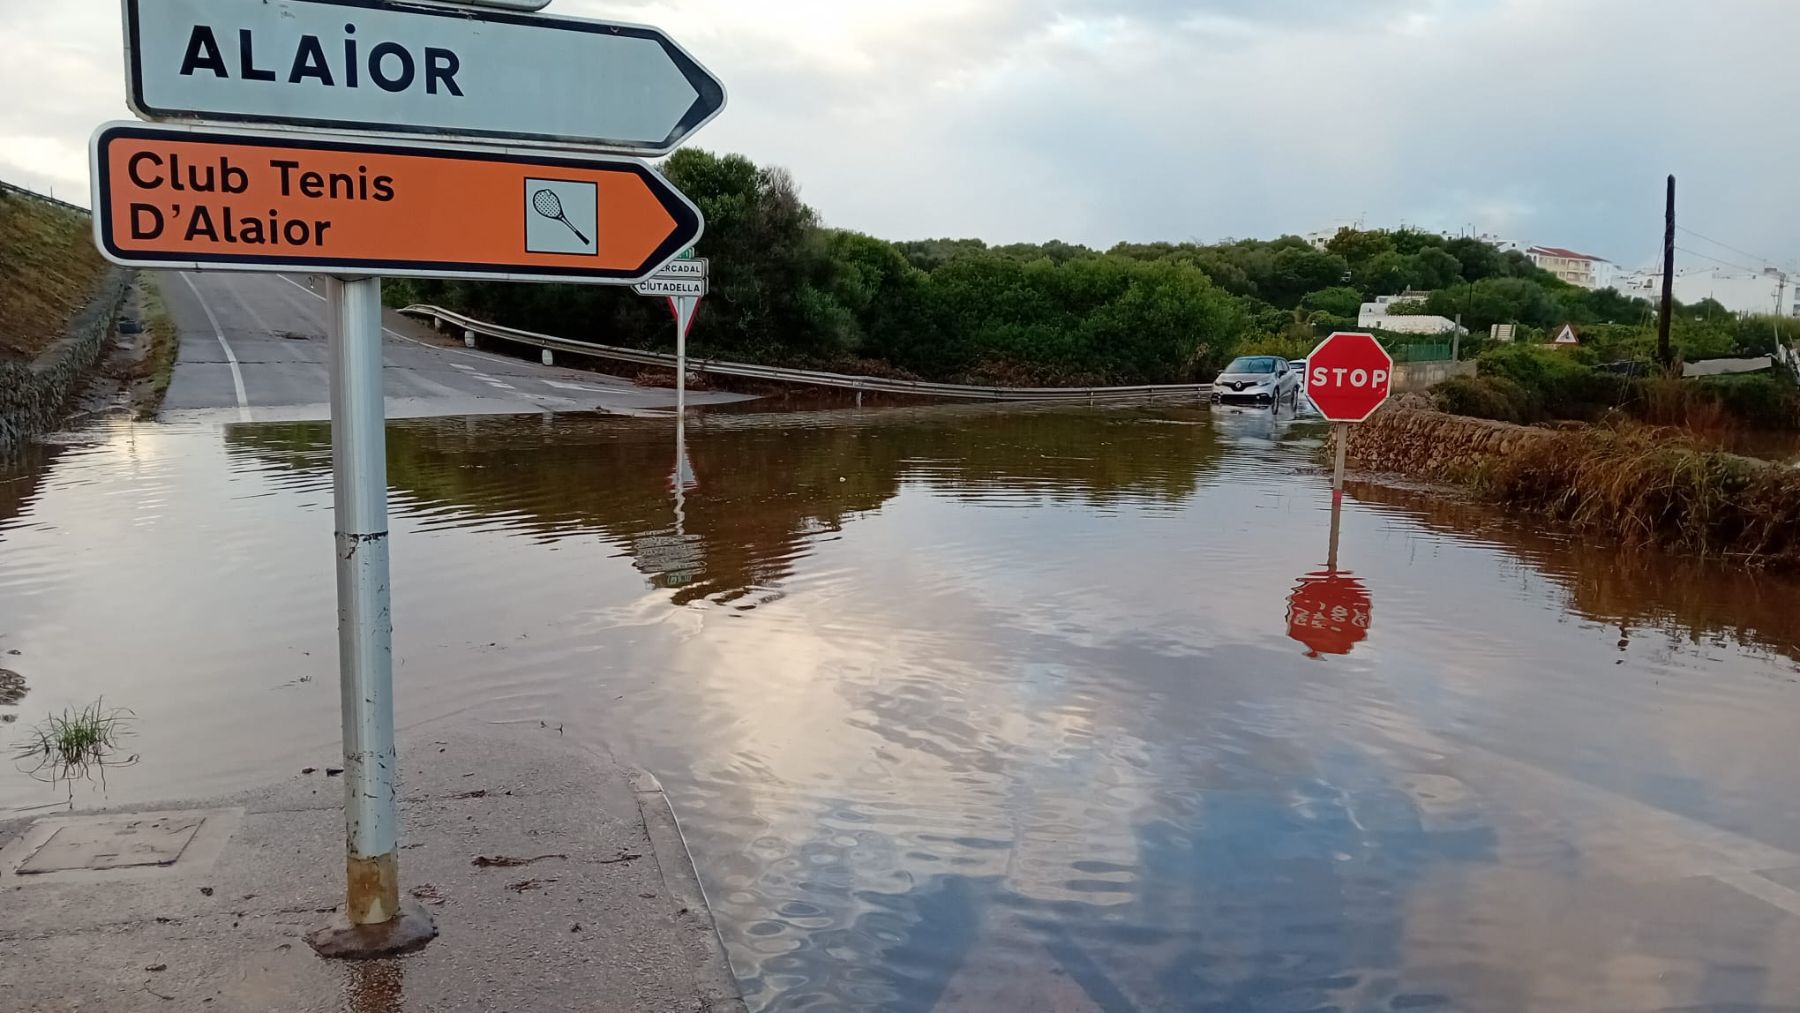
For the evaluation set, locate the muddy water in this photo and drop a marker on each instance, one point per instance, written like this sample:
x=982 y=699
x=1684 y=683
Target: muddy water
x=975 y=710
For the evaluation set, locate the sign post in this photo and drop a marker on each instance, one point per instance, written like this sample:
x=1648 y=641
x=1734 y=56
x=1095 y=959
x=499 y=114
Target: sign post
x=373 y=914
x=684 y=318
x=358 y=208
x=1347 y=377
x=683 y=281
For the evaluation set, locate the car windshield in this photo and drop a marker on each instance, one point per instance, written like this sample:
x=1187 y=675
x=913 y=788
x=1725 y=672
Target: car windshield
x=1252 y=364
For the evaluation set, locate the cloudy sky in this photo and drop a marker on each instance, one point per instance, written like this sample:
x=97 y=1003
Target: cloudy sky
x=1095 y=121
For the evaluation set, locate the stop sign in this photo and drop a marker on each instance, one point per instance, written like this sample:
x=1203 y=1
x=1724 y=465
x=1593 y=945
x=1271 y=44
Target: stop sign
x=1348 y=376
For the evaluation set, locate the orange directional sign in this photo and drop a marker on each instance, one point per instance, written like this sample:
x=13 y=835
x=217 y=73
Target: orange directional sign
x=183 y=197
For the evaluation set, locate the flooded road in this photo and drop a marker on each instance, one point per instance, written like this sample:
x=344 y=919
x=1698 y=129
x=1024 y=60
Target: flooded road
x=968 y=709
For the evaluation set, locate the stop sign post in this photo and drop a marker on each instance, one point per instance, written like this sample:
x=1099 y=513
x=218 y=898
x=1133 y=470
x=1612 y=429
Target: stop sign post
x=1347 y=377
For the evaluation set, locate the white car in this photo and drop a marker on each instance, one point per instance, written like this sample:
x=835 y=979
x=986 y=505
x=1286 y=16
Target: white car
x=1257 y=380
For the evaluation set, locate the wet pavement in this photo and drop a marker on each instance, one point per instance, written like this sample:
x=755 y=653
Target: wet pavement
x=975 y=709
x=253 y=349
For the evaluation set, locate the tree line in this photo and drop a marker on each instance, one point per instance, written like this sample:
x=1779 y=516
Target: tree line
x=787 y=290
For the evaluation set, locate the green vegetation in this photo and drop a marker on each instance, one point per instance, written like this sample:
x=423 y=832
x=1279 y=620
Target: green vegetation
x=163 y=342
x=78 y=744
x=788 y=290
x=48 y=271
x=1536 y=383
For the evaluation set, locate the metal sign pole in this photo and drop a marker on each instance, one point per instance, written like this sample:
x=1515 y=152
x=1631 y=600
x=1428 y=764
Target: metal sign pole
x=1342 y=433
x=681 y=315
x=373 y=922
x=1337 y=517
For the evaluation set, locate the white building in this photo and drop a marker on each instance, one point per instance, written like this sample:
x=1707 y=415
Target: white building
x=1581 y=269
x=1379 y=315
x=1760 y=292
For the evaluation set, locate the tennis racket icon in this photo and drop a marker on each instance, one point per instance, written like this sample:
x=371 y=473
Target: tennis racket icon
x=546 y=203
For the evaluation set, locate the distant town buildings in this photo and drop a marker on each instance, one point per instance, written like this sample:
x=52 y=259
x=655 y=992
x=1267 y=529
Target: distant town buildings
x=1580 y=269
x=1761 y=292
x=1768 y=291
x=1379 y=315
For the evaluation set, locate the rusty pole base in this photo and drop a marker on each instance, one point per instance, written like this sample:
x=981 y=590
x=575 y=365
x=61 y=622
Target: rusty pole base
x=407 y=931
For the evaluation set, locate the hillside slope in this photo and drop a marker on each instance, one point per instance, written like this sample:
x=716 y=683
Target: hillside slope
x=49 y=270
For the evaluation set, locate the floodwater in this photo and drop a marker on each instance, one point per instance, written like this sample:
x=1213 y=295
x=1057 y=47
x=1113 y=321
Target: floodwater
x=969 y=709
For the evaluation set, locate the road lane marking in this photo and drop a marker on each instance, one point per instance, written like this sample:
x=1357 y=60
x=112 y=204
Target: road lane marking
x=385 y=330
x=490 y=381
x=245 y=303
x=237 y=375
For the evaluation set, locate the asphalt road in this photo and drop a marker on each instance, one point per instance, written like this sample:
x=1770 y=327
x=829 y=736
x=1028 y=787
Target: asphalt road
x=253 y=348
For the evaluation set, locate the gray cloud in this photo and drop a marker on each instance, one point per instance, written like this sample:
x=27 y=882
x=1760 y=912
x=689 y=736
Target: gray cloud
x=1101 y=120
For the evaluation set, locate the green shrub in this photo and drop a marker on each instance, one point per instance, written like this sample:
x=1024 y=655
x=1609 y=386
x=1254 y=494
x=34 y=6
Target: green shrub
x=1558 y=383
x=1485 y=397
x=1274 y=344
x=1757 y=400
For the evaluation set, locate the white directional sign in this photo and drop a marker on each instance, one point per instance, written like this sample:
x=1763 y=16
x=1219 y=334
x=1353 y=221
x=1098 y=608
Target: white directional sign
x=377 y=66
x=667 y=285
x=695 y=268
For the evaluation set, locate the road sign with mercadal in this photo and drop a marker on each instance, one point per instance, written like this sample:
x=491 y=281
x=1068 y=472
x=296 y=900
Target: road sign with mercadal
x=672 y=285
x=262 y=201
x=368 y=65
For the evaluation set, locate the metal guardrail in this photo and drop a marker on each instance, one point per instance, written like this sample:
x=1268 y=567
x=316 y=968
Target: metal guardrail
x=43 y=198
x=441 y=317
x=1789 y=356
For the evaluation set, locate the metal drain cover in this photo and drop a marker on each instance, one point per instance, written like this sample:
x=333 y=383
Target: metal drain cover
x=114 y=843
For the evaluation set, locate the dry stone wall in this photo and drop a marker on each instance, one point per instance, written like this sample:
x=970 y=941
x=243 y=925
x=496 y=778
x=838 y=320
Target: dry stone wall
x=32 y=394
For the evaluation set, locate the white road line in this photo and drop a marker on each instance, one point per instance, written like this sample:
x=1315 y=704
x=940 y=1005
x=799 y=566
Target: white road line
x=559 y=385
x=483 y=377
x=237 y=375
x=385 y=330
x=390 y=331
x=490 y=381
x=245 y=303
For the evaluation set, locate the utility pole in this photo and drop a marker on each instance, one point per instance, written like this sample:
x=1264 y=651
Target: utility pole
x=1665 y=355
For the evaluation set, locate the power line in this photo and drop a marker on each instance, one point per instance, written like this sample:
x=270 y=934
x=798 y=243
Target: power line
x=1716 y=260
x=1753 y=256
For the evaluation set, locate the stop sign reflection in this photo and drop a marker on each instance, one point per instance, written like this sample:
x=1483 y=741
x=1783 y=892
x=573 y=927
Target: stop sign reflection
x=1329 y=612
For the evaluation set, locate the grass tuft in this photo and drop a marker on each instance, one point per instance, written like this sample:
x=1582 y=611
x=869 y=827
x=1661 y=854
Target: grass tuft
x=76 y=745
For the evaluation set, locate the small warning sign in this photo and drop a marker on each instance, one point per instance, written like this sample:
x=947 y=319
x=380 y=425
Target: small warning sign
x=1567 y=336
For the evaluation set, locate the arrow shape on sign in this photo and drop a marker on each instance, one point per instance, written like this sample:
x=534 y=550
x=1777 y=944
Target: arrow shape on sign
x=373 y=65
x=316 y=203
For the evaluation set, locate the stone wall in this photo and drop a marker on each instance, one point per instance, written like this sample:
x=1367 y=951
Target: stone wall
x=32 y=394
x=1409 y=437
x=1411 y=376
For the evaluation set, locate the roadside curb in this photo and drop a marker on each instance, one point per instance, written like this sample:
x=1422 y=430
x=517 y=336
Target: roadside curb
x=719 y=987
